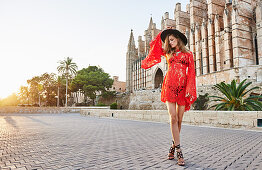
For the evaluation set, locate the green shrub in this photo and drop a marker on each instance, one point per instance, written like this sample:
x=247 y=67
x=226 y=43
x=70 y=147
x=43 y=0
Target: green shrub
x=101 y=104
x=81 y=104
x=201 y=102
x=113 y=105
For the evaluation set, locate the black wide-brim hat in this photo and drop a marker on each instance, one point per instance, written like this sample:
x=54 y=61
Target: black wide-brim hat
x=174 y=32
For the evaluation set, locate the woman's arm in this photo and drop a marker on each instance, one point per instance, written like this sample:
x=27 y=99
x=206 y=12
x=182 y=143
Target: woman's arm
x=191 y=94
x=155 y=53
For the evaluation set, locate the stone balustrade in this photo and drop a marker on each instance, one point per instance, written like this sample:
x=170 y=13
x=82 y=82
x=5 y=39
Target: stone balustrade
x=47 y=109
x=233 y=119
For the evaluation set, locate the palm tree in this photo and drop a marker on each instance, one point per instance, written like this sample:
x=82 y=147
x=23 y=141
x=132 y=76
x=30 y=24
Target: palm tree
x=234 y=97
x=67 y=67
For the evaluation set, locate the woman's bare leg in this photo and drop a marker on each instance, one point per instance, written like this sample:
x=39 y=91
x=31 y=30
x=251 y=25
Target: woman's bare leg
x=176 y=116
x=173 y=121
x=181 y=111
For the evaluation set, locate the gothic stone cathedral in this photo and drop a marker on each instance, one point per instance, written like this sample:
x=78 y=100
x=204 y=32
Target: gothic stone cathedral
x=225 y=37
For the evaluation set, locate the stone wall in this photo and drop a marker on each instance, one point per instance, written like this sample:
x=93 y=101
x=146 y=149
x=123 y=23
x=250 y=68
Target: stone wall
x=40 y=109
x=106 y=101
x=253 y=74
x=232 y=119
x=123 y=101
x=151 y=99
x=146 y=100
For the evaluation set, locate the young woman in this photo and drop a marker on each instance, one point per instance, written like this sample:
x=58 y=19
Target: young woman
x=179 y=86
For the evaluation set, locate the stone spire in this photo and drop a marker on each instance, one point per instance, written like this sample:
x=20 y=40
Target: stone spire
x=150 y=26
x=130 y=57
x=131 y=42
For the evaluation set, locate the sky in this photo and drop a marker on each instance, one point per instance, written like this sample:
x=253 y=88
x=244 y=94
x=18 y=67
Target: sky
x=36 y=34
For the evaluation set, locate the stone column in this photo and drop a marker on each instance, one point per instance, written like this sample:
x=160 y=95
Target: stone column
x=211 y=44
x=198 y=50
x=217 y=43
x=192 y=40
x=228 y=58
x=139 y=74
x=242 y=14
x=204 y=47
x=188 y=38
x=259 y=31
x=215 y=7
x=198 y=11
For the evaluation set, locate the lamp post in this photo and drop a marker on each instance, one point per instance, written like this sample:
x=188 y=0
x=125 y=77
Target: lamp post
x=57 y=101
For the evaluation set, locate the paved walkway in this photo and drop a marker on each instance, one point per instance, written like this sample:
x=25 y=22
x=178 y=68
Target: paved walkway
x=72 y=141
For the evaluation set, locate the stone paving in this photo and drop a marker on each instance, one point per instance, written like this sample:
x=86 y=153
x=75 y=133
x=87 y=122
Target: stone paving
x=72 y=141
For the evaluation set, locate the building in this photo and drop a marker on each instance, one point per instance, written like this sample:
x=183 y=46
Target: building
x=224 y=36
x=118 y=86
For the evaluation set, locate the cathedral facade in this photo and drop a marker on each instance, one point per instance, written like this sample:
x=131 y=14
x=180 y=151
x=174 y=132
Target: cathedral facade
x=225 y=37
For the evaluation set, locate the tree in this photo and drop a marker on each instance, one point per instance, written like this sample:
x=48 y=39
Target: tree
x=67 y=67
x=24 y=95
x=234 y=97
x=49 y=86
x=92 y=80
x=11 y=100
x=61 y=88
x=34 y=89
x=108 y=94
x=41 y=89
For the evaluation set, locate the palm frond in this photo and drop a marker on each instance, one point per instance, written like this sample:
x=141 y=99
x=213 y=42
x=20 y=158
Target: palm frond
x=255 y=104
x=242 y=89
x=218 y=97
x=233 y=88
x=239 y=87
x=255 y=101
x=223 y=89
x=227 y=90
x=216 y=100
x=254 y=97
x=250 y=90
x=220 y=106
x=213 y=106
x=248 y=107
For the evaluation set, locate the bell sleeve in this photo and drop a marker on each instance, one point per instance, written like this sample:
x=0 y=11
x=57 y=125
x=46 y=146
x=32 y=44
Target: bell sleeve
x=191 y=94
x=155 y=53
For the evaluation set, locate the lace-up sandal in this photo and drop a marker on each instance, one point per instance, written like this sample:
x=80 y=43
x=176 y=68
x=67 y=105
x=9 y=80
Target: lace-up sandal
x=171 y=152
x=179 y=156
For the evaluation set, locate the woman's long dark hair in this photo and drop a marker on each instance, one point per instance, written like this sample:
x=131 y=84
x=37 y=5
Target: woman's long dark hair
x=181 y=46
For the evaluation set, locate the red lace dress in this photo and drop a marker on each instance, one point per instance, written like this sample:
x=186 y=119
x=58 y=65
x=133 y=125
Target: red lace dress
x=179 y=83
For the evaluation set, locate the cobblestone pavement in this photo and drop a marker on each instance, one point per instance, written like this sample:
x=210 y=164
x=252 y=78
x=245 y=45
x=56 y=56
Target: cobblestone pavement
x=72 y=141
